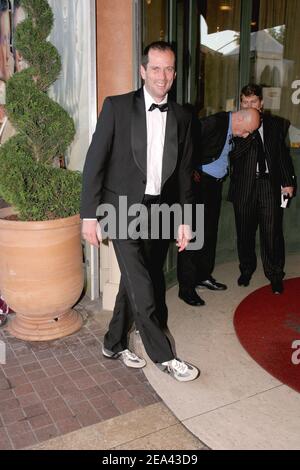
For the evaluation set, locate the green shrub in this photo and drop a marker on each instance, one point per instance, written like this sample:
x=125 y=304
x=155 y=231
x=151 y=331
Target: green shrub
x=28 y=179
x=39 y=191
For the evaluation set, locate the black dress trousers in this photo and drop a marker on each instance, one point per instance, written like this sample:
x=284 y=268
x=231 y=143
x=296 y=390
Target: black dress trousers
x=141 y=297
x=196 y=266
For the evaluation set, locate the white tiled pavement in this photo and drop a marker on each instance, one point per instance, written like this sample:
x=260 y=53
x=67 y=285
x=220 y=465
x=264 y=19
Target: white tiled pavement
x=234 y=404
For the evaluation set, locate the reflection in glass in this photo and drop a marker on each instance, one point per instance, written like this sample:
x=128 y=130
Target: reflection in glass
x=275 y=60
x=11 y=13
x=155 y=17
x=219 y=57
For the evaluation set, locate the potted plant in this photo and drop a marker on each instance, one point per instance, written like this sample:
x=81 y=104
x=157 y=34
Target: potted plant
x=41 y=274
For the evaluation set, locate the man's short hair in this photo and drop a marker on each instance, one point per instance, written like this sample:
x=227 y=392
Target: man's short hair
x=158 y=46
x=252 y=89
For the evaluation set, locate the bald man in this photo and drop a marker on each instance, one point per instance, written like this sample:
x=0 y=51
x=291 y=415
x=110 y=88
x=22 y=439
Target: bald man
x=261 y=171
x=213 y=142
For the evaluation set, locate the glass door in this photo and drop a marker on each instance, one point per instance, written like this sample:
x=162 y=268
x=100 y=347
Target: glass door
x=219 y=56
x=275 y=65
x=275 y=59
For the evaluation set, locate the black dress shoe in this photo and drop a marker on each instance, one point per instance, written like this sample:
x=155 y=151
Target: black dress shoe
x=244 y=280
x=190 y=297
x=277 y=287
x=212 y=284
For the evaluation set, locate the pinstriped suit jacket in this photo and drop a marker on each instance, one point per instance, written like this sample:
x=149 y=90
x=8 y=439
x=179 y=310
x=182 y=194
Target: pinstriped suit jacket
x=243 y=161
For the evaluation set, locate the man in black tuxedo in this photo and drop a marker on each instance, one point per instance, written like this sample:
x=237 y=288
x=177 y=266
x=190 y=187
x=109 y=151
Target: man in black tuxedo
x=142 y=150
x=213 y=142
x=261 y=171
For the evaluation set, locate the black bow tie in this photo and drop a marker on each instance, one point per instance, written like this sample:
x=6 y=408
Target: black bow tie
x=162 y=107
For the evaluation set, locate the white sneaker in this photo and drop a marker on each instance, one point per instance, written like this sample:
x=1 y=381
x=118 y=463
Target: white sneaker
x=181 y=371
x=127 y=357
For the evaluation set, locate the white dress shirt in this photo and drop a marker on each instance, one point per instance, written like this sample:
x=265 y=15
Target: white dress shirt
x=156 y=130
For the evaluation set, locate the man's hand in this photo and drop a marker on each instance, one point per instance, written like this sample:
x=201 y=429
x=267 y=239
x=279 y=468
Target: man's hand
x=91 y=232
x=288 y=190
x=184 y=237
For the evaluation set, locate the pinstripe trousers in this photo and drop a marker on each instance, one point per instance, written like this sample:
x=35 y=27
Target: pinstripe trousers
x=262 y=210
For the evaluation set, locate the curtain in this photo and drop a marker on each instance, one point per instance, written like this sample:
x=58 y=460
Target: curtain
x=272 y=13
x=221 y=77
x=275 y=14
x=222 y=20
x=220 y=65
x=11 y=13
x=291 y=60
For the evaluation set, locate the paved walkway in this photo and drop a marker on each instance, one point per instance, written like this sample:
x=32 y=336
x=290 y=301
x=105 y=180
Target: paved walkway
x=48 y=389
x=64 y=395
x=235 y=404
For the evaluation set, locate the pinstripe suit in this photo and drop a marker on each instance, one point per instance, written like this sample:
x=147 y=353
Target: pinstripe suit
x=257 y=201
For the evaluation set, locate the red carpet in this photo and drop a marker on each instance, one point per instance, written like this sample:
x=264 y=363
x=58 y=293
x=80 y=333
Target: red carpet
x=267 y=325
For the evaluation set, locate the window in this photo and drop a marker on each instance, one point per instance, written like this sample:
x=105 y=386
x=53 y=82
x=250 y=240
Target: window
x=275 y=59
x=155 y=21
x=219 y=56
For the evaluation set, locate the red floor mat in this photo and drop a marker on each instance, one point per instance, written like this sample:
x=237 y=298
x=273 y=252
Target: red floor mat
x=268 y=327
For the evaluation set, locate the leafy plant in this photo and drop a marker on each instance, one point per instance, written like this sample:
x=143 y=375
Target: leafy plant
x=28 y=178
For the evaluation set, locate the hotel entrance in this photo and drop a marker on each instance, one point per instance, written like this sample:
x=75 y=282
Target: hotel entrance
x=221 y=46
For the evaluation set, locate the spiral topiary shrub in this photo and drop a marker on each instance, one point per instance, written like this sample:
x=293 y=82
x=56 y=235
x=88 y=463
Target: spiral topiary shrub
x=28 y=178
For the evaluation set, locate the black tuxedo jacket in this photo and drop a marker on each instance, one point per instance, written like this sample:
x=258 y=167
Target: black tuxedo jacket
x=116 y=162
x=210 y=135
x=243 y=161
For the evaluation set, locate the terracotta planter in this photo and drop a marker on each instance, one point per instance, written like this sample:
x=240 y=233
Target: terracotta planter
x=41 y=276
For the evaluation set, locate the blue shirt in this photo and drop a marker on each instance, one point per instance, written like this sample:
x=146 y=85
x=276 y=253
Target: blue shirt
x=219 y=167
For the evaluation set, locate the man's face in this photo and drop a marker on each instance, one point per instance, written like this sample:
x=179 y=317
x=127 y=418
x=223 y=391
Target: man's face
x=246 y=125
x=159 y=73
x=251 y=101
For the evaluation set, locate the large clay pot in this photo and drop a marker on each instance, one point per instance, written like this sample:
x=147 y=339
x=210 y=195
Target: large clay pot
x=41 y=276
